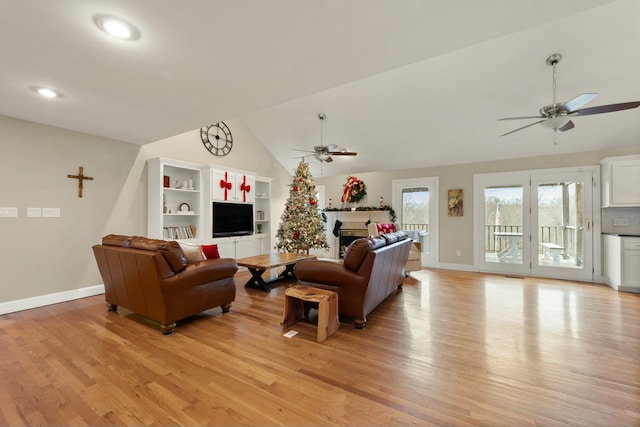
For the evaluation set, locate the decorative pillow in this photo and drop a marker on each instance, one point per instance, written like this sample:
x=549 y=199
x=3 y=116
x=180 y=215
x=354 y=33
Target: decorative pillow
x=390 y=238
x=193 y=253
x=210 y=251
x=171 y=251
x=355 y=253
x=385 y=228
x=376 y=242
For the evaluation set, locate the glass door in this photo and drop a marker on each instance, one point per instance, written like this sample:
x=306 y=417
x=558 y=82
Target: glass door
x=416 y=204
x=562 y=242
x=503 y=223
x=538 y=223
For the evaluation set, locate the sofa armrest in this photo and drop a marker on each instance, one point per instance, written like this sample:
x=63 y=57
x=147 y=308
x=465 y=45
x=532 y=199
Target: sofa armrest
x=205 y=271
x=328 y=273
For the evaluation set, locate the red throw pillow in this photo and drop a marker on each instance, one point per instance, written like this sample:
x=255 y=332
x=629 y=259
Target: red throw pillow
x=386 y=228
x=210 y=251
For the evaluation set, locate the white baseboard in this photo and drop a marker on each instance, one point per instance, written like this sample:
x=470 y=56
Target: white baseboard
x=460 y=267
x=42 y=300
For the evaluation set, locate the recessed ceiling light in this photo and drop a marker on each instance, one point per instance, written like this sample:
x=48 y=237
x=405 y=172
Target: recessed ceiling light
x=46 y=92
x=116 y=27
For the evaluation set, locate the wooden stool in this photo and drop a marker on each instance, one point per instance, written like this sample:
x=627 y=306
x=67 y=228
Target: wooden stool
x=294 y=300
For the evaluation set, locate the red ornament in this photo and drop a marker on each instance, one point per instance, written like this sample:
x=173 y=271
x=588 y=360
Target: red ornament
x=299 y=179
x=295 y=188
x=296 y=235
x=312 y=202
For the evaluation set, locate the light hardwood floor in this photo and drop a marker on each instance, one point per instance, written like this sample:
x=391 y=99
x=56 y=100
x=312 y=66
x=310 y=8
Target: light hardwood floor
x=451 y=348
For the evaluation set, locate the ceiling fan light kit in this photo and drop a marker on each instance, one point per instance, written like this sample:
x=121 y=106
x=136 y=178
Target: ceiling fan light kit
x=558 y=115
x=322 y=152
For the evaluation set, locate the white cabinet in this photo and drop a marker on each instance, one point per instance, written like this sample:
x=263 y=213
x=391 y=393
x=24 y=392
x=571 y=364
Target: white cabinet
x=174 y=200
x=235 y=247
x=232 y=186
x=620 y=178
x=622 y=262
x=262 y=215
x=262 y=244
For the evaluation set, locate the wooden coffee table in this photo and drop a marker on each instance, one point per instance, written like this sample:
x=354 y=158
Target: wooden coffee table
x=258 y=264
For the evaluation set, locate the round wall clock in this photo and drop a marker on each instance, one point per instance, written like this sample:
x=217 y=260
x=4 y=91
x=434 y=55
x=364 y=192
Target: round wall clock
x=217 y=138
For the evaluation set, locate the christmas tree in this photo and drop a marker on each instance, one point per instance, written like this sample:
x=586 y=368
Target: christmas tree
x=302 y=225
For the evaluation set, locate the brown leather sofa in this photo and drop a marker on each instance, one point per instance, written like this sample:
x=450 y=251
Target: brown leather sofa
x=153 y=278
x=373 y=268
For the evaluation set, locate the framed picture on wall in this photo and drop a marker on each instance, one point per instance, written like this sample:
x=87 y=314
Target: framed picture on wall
x=455 y=198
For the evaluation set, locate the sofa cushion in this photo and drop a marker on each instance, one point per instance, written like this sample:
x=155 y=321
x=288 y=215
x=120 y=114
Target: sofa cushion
x=171 y=251
x=193 y=253
x=355 y=253
x=211 y=251
x=116 y=240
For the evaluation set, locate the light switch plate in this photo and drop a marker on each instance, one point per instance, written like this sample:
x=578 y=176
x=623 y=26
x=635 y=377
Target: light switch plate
x=51 y=212
x=8 y=212
x=34 y=212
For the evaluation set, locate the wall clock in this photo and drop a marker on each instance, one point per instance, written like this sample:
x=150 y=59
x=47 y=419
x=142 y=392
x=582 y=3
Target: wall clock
x=217 y=138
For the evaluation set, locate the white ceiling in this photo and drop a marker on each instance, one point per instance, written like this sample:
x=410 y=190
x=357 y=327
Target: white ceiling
x=405 y=83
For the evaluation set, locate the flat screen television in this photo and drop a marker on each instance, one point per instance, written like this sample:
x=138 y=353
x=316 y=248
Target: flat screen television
x=232 y=219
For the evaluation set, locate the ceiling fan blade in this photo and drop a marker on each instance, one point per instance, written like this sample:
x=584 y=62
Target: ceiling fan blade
x=520 y=118
x=342 y=153
x=523 y=127
x=306 y=151
x=606 y=108
x=567 y=126
x=578 y=102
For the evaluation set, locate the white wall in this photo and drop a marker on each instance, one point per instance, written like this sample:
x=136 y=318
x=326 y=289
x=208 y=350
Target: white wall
x=44 y=256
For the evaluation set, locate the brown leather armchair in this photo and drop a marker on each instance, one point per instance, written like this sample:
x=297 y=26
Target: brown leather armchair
x=153 y=278
x=373 y=269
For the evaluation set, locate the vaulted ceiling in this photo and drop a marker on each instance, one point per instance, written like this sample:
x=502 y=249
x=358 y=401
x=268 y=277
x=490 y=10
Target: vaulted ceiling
x=404 y=83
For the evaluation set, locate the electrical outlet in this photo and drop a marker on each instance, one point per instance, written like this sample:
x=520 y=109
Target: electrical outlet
x=458 y=252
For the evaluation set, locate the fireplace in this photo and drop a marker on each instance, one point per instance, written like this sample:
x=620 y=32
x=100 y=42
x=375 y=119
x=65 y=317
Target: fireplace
x=348 y=235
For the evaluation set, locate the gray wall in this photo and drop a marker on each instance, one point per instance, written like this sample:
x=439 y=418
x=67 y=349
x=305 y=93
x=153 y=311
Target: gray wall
x=41 y=256
x=457 y=232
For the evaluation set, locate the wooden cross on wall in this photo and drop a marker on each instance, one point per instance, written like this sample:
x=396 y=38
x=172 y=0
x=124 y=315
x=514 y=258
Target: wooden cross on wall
x=80 y=177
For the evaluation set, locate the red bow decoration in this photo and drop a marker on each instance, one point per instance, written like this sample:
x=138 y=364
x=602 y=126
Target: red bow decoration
x=226 y=185
x=244 y=188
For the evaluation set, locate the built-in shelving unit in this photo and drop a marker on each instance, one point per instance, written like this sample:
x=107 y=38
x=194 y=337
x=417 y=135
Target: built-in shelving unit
x=180 y=204
x=262 y=215
x=174 y=199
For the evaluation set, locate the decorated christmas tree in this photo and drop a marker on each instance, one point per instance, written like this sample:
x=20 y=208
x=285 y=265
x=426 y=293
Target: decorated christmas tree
x=302 y=225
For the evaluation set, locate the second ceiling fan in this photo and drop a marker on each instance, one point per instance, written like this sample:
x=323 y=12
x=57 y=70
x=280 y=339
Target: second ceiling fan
x=322 y=152
x=558 y=115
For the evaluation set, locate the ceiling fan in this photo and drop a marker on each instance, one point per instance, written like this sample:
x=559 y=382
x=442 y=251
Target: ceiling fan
x=557 y=116
x=323 y=152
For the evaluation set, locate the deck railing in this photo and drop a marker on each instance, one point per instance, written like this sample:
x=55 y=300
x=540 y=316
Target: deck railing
x=563 y=236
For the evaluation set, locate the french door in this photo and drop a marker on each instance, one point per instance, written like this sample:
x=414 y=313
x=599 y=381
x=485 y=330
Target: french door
x=415 y=202
x=536 y=223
